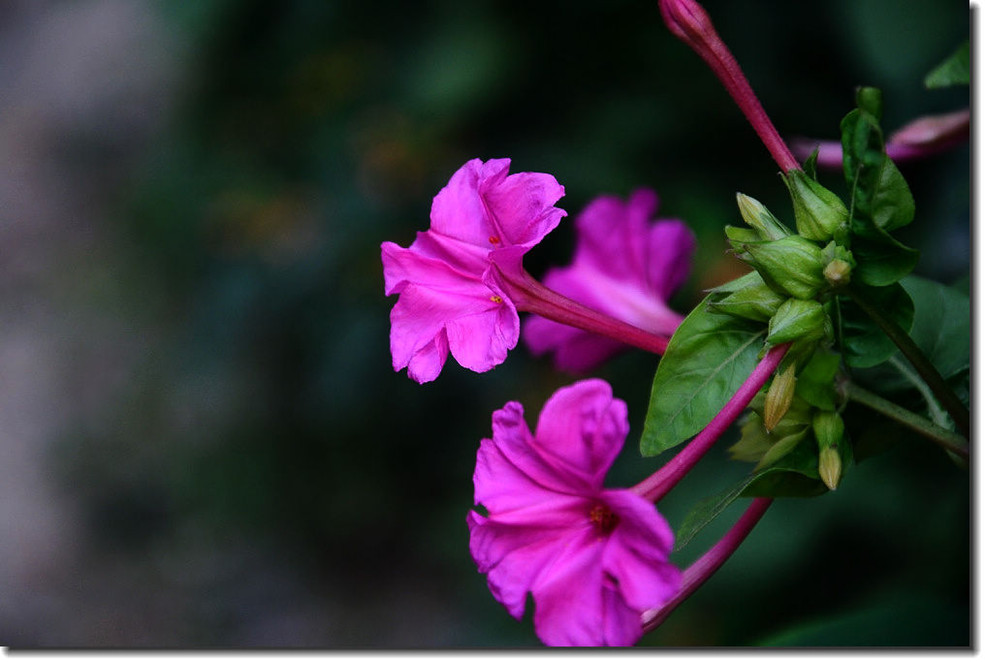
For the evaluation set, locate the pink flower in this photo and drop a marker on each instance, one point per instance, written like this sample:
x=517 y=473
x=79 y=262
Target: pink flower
x=625 y=267
x=594 y=559
x=444 y=304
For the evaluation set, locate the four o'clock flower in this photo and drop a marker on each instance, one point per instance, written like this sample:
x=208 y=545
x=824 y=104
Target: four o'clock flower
x=594 y=559
x=625 y=266
x=444 y=303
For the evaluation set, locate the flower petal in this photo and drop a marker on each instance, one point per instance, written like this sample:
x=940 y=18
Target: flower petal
x=636 y=555
x=513 y=557
x=523 y=206
x=480 y=341
x=422 y=314
x=510 y=473
x=580 y=431
x=569 y=596
x=608 y=228
x=575 y=351
x=670 y=247
x=484 y=207
x=426 y=362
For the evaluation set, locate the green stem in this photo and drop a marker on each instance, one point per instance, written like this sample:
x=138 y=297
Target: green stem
x=918 y=360
x=943 y=437
x=937 y=413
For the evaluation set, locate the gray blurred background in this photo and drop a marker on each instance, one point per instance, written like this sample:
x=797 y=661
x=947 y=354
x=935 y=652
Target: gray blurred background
x=202 y=441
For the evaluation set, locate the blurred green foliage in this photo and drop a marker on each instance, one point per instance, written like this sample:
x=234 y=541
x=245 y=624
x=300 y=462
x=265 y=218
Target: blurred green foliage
x=268 y=416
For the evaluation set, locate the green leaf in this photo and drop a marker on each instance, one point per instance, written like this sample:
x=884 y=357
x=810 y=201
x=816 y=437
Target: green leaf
x=706 y=510
x=708 y=358
x=881 y=198
x=955 y=70
x=815 y=383
x=863 y=343
x=882 y=262
x=941 y=329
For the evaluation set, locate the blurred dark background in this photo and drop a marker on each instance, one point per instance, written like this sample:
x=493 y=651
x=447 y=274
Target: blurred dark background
x=202 y=441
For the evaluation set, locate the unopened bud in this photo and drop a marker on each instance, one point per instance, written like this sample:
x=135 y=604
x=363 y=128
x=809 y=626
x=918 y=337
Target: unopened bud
x=759 y=217
x=819 y=212
x=797 y=319
x=748 y=297
x=829 y=467
x=838 y=273
x=779 y=396
x=793 y=264
x=829 y=430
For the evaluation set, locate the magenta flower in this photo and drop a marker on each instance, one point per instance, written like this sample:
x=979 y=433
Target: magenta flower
x=625 y=267
x=594 y=559
x=444 y=304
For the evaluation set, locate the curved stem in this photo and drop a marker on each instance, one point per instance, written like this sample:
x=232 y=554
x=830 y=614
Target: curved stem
x=944 y=438
x=664 y=479
x=918 y=360
x=701 y=570
x=690 y=23
x=529 y=295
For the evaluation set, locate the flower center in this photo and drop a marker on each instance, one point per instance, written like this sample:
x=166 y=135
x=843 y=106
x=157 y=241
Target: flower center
x=603 y=519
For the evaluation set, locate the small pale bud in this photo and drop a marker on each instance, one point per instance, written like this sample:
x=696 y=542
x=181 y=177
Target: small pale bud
x=779 y=396
x=838 y=273
x=829 y=430
x=818 y=211
x=759 y=217
x=829 y=467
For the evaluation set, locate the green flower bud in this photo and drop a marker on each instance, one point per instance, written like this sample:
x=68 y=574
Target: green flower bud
x=869 y=99
x=753 y=300
x=792 y=264
x=838 y=271
x=829 y=467
x=759 y=217
x=829 y=430
x=797 y=319
x=819 y=212
x=779 y=396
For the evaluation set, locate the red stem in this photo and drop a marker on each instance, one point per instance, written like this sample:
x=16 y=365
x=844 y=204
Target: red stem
x=701 y=570
x=529 y=295
x=690 y=23
x=664 y=479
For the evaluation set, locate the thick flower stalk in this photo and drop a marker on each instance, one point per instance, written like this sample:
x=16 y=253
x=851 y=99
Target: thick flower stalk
x=595 y=559
x=625 y=266
x=701 y=570
x=689 y=22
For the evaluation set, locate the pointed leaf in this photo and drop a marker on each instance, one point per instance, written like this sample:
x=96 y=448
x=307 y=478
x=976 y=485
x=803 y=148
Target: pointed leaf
x=955 y=70
x=708 y=358
x=863 y=343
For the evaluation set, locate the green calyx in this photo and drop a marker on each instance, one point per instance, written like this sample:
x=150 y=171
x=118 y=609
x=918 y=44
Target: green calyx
x=757 y=216
x=798 y=319
x=820 y=214
x=792 y=265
